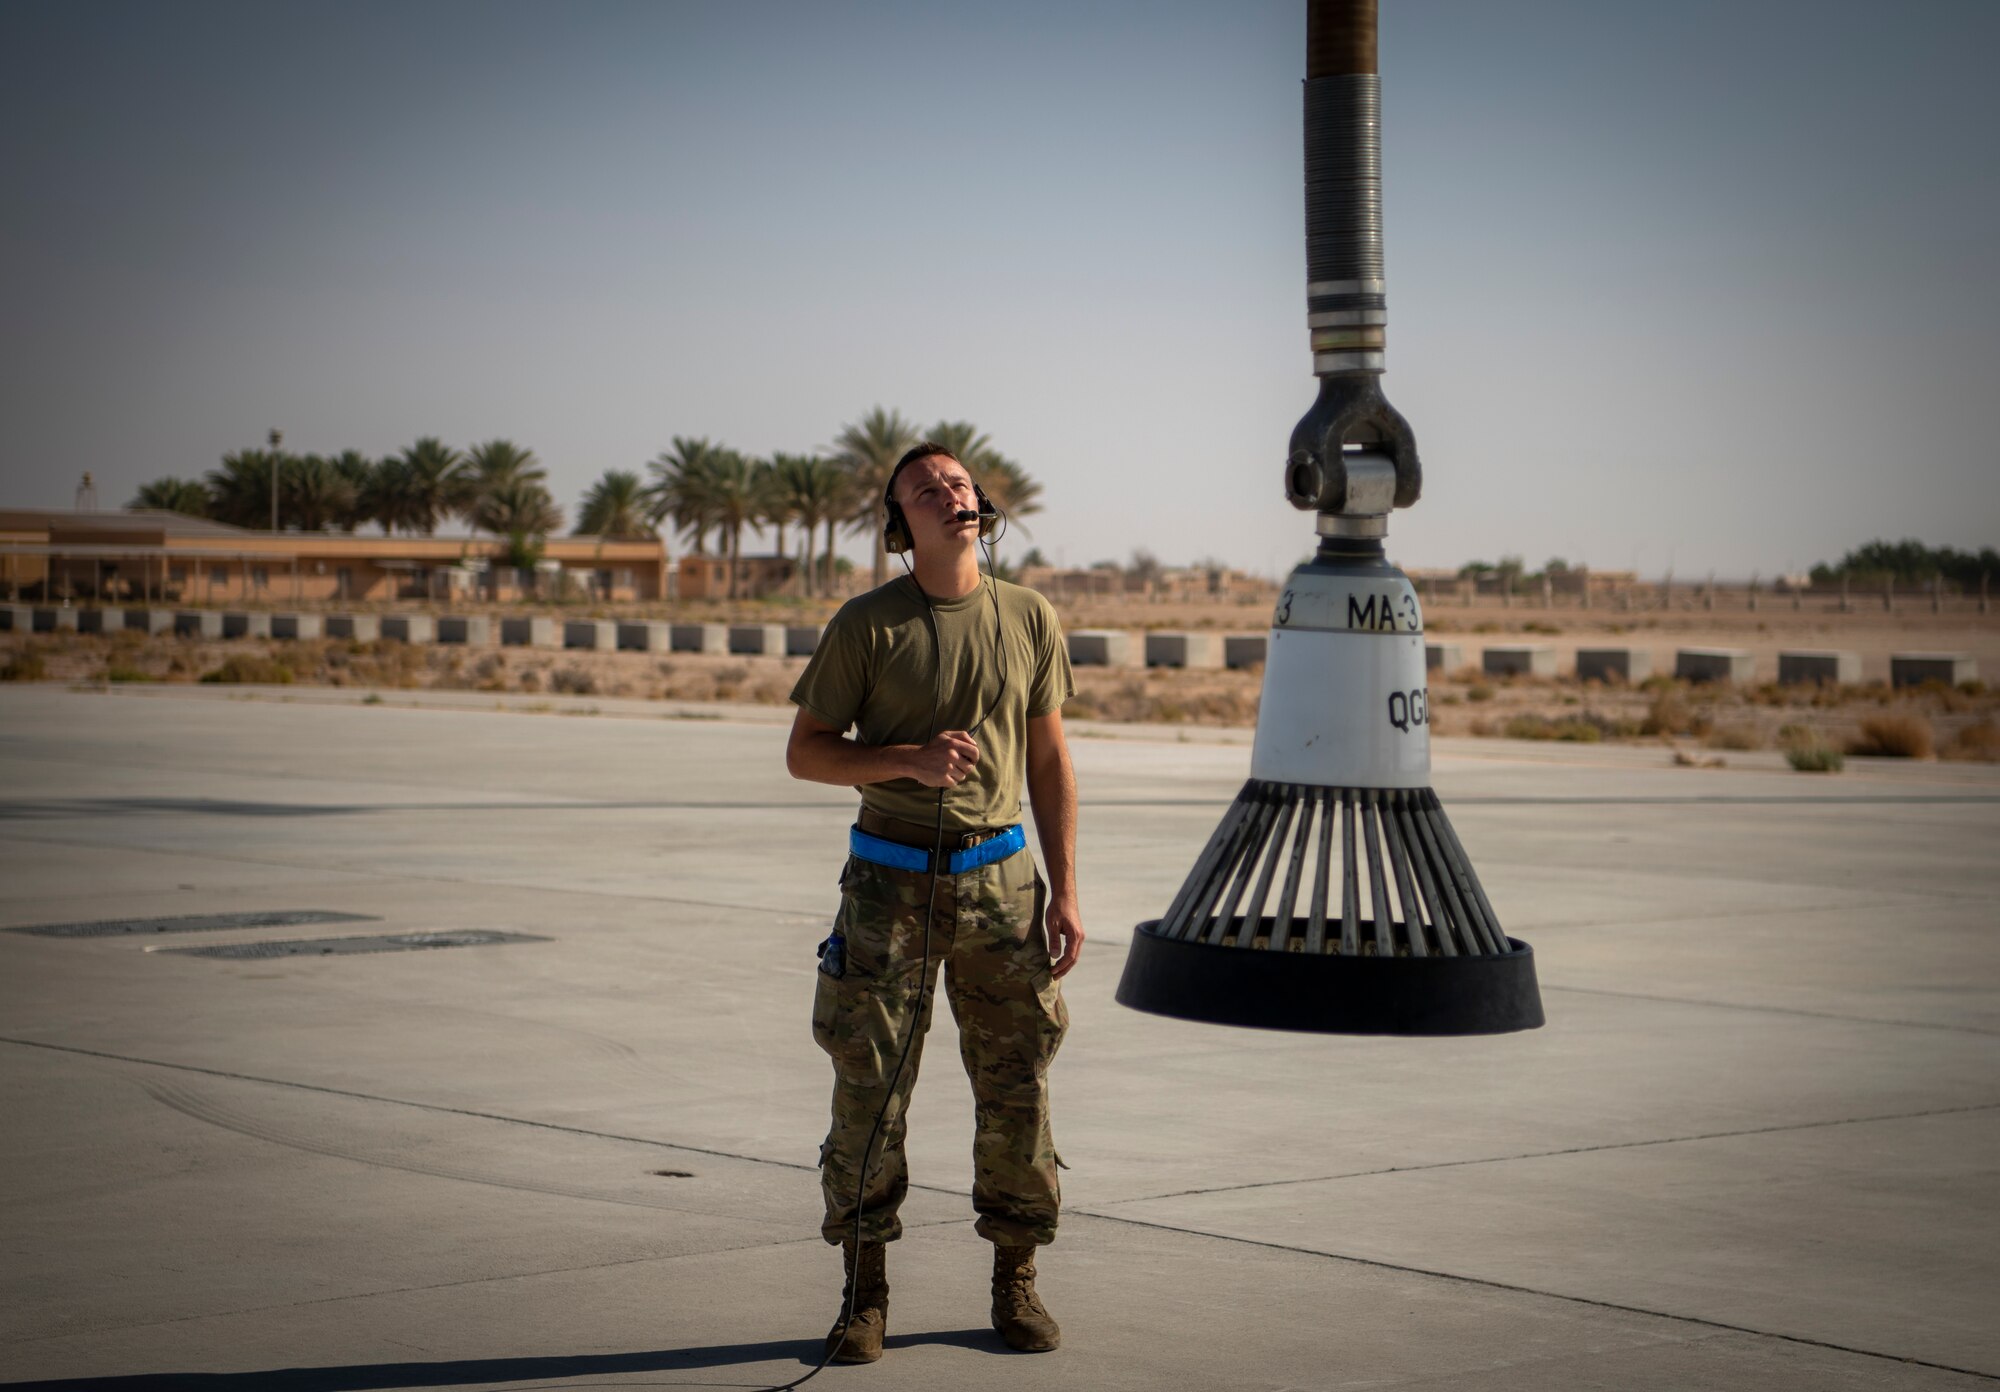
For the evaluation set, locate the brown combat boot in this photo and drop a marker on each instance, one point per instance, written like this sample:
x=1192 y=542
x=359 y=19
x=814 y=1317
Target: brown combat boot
x=1018 y=1313
x=859 y=1339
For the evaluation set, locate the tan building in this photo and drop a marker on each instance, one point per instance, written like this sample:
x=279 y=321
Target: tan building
x=702 y=576
x=142 y=555
x=1169 y=584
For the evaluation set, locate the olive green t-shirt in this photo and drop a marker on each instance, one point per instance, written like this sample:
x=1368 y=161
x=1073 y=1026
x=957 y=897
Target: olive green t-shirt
x=876 y=669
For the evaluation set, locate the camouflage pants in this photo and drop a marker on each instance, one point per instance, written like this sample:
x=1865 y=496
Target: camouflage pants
x=986 y=933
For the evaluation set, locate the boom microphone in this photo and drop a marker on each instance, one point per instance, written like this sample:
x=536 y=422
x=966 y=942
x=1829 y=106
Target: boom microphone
x=966 y=515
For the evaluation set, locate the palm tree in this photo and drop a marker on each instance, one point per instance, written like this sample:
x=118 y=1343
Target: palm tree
x=357 y=470
x=185 y=496
x=970 y=448
x=385 y=496
x=814 y=493
x=735 y=497
x=240 y=491
x=495 y=464
x=520 y=507
x=616 y=506
x=435 y=483
x=316 y=495
x=868 y=451
x=1012 y=490
x=681 y=486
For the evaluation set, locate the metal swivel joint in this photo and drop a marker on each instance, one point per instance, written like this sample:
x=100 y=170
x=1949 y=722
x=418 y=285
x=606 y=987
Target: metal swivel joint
x=1352 y=455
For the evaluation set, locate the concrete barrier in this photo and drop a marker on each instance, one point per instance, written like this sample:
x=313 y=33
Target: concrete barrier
x=1182 y=649
x=149 y=621
x=198 y=623
x=296 y=626
x=1244 y=649
x=1914 y=669
x=644 y=636
x=757 y=640
x=699 y=638
x=593 y=635
x=1802 y=667
x=409 y=628
x=1715 y=664
x=1444 y=657
x=100 y=620
x=241 y=625
x=54 y=619
x=360 y=628
x=1100 y=647
x=1613 y=664
x=802 y=640
x=470 y=630
x=529 y=633
x=1518 y=660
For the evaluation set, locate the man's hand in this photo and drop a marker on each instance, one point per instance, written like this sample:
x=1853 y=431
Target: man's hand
x=946 y=761
x=1064 y=925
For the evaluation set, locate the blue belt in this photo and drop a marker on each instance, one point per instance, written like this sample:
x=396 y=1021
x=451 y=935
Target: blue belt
x=897 y=856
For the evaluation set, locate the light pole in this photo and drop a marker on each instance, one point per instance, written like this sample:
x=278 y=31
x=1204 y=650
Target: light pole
x=277 y=439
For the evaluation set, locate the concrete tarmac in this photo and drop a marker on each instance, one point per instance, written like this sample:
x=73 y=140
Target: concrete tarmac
x=1755 y=1146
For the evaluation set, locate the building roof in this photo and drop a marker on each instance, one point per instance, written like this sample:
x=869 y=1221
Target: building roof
x=40 y=530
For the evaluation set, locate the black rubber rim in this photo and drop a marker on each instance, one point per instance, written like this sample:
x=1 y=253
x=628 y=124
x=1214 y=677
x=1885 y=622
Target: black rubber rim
x=1331 y=994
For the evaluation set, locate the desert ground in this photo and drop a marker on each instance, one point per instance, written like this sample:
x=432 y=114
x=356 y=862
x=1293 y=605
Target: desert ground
x=1706 y=721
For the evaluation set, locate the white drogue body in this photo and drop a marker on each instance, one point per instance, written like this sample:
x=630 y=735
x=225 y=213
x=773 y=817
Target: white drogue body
x=1346 y=698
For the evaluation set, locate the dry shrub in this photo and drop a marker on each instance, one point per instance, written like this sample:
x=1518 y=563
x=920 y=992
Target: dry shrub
x=1576 y=729
x=573 y=681
x=771 y=690
x=1978 y=743
x=1893 y=737
x=1671 y=713
x=1479 y=691
x=26 y=664
x=1815 y=758
x=1734 y=737
x=253 y=669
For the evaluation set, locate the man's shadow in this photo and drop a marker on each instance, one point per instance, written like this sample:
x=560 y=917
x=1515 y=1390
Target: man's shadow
x=363 y=1377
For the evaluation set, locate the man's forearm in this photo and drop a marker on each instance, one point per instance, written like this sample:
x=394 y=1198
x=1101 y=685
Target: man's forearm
x=830 y=758
x=1052 y=788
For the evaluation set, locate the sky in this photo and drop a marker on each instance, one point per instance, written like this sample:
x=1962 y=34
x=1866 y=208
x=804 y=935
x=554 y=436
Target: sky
x=1702 y=287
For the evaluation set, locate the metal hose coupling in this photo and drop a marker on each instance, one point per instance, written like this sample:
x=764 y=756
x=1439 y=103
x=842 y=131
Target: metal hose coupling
x=1347 y=310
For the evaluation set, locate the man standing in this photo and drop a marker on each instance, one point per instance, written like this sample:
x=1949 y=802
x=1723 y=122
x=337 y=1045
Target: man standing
x=953 y=684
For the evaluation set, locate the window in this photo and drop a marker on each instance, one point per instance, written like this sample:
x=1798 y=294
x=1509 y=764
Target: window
x=217 y=575
x=260 y=576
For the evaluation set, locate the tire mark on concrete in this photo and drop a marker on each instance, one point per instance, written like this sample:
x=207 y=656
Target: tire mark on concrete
x=615 y=1053
x=200 y=1106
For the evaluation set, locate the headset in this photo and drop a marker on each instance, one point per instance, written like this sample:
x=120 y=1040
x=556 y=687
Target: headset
x=896 y=539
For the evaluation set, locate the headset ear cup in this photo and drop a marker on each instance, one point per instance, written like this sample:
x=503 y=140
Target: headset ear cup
x=895 y=531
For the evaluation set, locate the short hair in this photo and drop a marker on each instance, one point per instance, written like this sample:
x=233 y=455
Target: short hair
x=922 y=449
